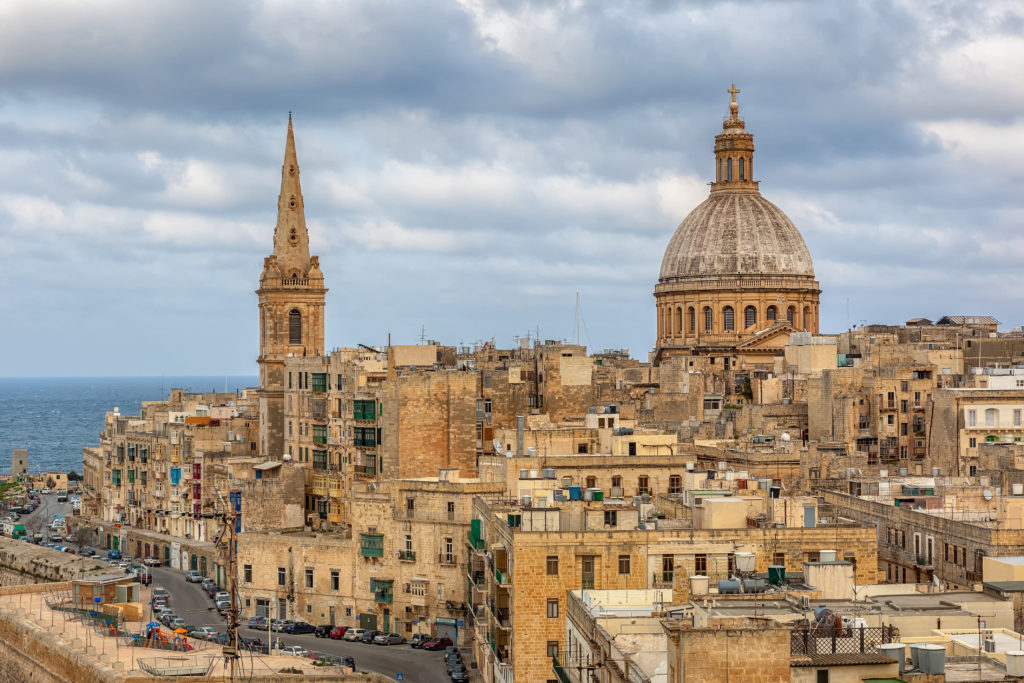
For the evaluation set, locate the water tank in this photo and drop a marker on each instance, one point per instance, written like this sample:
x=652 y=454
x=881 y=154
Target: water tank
x=774 y=491
x=990 y=644
x=754 y=585
x=913 y=655
x=1015 y=662
x=903 y=471
x=729 y=587
x=827 y=555
x=745 y=562
x=575 y=493
x=598 y=495
x=548 y=473
x=777 y=575
x=533 y=474
x=931 y=658
x=698 y=585
x=524 y=474
x=532 y=452
x=588 y=494
x=689 y=467
x=1018 y=489
x=895 y=650
x=819 y=611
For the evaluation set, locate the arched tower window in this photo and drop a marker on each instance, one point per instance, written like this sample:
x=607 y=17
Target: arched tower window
x=728 y=319
x=693 y=319
x=741 y=169
x=721 y=169
x=294 y=327
x=771 y=314
x=707 y=319
x=791 y=315
x=807 y=317
x=728 y=169
x=749 y=314
x=679 y=320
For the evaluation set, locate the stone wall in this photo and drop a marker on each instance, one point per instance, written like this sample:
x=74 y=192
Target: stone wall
x=22 y=563
x=744 y=653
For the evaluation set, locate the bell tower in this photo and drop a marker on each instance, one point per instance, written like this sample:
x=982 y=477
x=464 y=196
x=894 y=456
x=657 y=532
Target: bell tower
x=291 y=302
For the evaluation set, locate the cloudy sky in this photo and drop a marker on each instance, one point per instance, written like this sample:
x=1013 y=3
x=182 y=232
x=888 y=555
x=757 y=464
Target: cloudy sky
x=469 y=166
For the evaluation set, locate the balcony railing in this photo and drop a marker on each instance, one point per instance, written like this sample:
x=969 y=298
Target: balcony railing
x=661 y=579
x=372 y=545
x=447 y=558
x=502 y=578
x=407 y=555
x=476 y=543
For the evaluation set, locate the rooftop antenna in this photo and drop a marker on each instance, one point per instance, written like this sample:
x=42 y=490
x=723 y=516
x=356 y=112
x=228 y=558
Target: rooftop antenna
x=423 y=334
x=577 y=318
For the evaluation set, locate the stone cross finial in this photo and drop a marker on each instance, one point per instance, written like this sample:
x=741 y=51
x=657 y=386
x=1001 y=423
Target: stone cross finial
x=733 y=106
x=734 y=91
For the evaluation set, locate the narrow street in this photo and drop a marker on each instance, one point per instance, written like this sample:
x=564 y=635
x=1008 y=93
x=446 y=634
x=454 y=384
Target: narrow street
x=190 y=602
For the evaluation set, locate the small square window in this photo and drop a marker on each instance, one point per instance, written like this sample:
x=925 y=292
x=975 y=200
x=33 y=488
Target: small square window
x=552 y=565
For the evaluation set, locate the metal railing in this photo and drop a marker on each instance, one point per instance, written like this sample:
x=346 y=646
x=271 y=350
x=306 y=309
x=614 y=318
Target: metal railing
x=826 y=639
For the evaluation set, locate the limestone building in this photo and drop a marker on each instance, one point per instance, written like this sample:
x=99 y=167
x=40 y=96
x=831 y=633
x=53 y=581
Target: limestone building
x=291 y=302
x=736 y=270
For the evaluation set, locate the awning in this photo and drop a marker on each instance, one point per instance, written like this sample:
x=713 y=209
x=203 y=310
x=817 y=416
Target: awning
x=268 y=465
x=421 y=579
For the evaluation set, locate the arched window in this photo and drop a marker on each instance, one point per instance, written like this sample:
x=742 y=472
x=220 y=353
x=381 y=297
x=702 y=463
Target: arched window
x=693 y=319
x=749 y=316
x=707 y=319
x=741 y=169
x=679 y=320
x=728 y=319
x=721 y=170
x=770 y=314
x=791 y=315
x=294 y=327
x=675 y=484
x=591 y=482
x=667 y=327
x=807 y=318
x=728 y=169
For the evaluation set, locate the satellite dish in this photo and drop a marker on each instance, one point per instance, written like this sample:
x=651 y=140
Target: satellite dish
x=935 y=580
x=986 y=494
x=286 y=457
x=498 y=448
x=785 y=436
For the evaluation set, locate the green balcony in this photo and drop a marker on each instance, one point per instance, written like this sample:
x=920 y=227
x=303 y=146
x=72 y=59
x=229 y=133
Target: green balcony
x=319 y=384
x=502 y=578
x=371 y=545
x=382 y=590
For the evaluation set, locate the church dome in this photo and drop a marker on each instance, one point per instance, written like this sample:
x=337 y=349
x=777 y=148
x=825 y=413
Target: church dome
x=735 y=233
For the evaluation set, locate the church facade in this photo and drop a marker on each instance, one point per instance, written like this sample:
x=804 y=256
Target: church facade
x=736 y=277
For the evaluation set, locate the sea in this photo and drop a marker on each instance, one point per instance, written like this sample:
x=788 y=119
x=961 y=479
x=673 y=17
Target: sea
x=55 y=417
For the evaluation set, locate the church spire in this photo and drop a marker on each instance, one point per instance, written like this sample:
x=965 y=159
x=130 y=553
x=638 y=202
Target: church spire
x=291 y=239
x=734 y=153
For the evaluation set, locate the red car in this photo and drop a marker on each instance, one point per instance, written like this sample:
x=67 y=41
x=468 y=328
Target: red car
x=337 y=632
x=438 y=644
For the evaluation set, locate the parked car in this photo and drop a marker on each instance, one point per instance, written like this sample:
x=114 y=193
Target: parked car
x=368 y=636
x=112 y=554
x=279 y=625
x=388 y=639
x=354 y=634
x=253 y=644
x=451 y=652
x=350 y=662
x=151 y=562
x=452 y=663
x=145 y=578
x=205 y=632
x=87 y=552
x=418 y=639
x=221 y=595
x=207 y=583
x=294 y=651
x=223 y=605
x=459 y=674
x=258 y=623
x=297 y=628
x=323 y=630
x=166 y=618
x=337 y=633
x=438 y=644
x=160 y=590
x=192 y=576
x=178 y=622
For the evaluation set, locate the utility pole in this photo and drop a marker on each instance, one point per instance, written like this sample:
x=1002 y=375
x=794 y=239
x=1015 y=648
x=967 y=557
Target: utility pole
x=229 y=518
